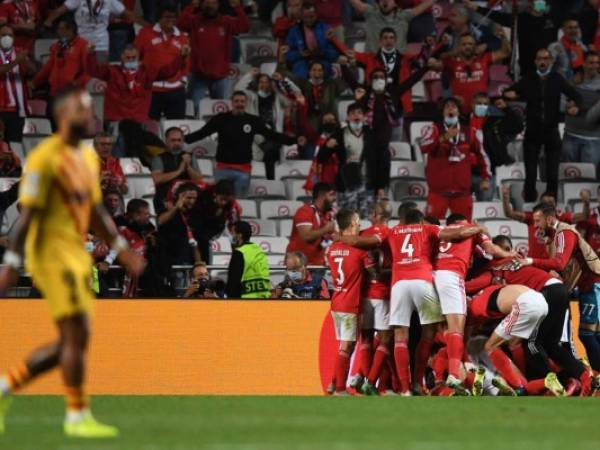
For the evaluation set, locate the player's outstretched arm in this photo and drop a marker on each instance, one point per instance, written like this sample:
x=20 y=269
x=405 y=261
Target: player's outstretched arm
x=366 y=242
x=105 y=227
x=492 y=249
x=459 y=234
x=13 y=257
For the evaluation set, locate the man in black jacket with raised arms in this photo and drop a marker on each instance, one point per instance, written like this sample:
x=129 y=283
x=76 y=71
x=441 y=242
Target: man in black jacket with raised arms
x=236 y=130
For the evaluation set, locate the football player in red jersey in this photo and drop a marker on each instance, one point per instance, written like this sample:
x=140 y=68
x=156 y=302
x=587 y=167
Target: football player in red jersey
x=375 y=307
x=347 y=265
x=451 y=266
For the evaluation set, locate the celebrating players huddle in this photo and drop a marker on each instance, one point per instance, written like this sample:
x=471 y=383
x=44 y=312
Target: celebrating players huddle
x=507 y=338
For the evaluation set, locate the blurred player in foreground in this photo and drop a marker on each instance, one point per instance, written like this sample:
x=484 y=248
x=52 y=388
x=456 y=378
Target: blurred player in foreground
x=61 y=200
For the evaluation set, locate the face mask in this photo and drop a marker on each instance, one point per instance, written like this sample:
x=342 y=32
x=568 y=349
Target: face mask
x=89 y=246
x=233 y=241
x=263 y=94
x=451 y=121
x=131 y=65
x=329 y=128
x=543 y=73
x=316 y=81
x=6 y=42
x=388 y=51
x=539 y=6
x=295 y=275
x=378 y=85
x=481 y=110
x=356 y=126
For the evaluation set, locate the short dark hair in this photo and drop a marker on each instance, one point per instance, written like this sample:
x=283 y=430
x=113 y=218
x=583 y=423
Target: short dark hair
x=166 y=8
x=481 y=94
x=185 y=187
x=413 y=216
x=354 y=107
x=320 y=189
x=454 y=217
x=69 y=23
x=452 y=100
x=405 y=207
x=224 y=187
x=548 y=210
x=243 y=228
x=387 y=30
x=432 y=220
x=539 y=207
x=498 y=240
x=307 y=4
x=239 y=94
x=344 y=218
x=467 y=34
x=549 y=194
x=135 y=205
x=313 y=62
x=173 y=129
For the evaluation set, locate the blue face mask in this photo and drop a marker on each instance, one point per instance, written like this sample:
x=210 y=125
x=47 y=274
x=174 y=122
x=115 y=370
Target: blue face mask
x=355 y=126
x=540 y=6
x=451 y=121
x=543 y=73
x=481 y=110
x=295 y=275
x=131 y=65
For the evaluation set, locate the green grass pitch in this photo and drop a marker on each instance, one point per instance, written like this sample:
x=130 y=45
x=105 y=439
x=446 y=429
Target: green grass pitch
x=273 y=423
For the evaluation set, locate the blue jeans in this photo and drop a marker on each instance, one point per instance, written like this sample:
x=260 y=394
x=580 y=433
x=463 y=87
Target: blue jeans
x=575 y=149
x=240 y=180
x=200 y=87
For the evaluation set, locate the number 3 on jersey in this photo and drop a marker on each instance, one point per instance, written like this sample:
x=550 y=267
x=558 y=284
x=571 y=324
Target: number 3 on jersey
x=340 y=271
x=407 y=246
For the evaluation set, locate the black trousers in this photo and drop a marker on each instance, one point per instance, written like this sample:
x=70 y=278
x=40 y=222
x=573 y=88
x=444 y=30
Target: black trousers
x=171 y=104
x=551 y=141
x=13 y=126
x=546 y=343
x=379 y=161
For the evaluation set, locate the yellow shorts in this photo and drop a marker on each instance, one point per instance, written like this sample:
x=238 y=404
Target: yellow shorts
x=66 y=289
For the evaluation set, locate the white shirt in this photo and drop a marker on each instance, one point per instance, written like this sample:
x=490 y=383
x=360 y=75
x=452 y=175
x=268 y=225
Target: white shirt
x=92 y=17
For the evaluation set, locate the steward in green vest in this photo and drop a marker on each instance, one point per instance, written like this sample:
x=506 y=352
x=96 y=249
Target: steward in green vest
x=248 y=274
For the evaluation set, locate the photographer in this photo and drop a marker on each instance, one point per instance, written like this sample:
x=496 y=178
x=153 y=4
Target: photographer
x=299 y=282
x=201 y=286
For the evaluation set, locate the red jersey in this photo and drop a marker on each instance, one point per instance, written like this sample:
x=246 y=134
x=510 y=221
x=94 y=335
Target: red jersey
x=379 y=289
x=111 y=173
x=19 y=13
x=347 y=266
x=67 y=65
x=478 y=307
x=536 y=239
x=211 y=39
x=412 y=249
x=529 y=276
x=468 y=78
x=308 y=215
x=158 y=49
x=450 y=164
x=456 y=256
x=567 y=248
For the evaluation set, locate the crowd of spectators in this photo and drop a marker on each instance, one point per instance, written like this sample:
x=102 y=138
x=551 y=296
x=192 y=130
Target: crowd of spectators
x=328 y=95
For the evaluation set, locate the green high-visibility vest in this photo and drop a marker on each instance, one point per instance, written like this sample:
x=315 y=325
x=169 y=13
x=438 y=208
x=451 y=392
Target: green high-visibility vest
x=255 y=279
x=95 y=280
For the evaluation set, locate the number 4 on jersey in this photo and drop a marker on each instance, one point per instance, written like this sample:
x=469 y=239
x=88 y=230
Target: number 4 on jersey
x=407 y=247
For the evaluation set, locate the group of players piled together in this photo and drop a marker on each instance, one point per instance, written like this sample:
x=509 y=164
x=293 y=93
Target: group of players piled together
x=492 y=321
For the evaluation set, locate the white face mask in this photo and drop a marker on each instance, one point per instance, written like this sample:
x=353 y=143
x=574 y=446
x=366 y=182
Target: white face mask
x=451 y=121
x=6 y=42
x=388 y=51
x=378 y=85
x=355 y=126
x=263 y=94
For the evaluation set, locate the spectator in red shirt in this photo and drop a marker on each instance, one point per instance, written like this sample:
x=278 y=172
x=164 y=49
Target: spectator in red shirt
x=452 y=150
x=211 y=37
x=330 y=12
x=283 y=23
x=313 y=224
x=111 y=173
x=16 y=66
x=67 y=64
x=159 y=46
x=468 y=72
x=129 y=90
x=23 y=16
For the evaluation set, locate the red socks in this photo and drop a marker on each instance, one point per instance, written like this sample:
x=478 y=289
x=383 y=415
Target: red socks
x=535 y=387
x=440 y=365
x=421 y=356
x=455 y=352
x=365 y=358
x=380 y=359
x=402 y=359
x=505 y=367
x=342 y=366
x=518 y=356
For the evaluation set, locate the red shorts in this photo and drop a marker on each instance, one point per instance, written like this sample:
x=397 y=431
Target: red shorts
x=438 y=205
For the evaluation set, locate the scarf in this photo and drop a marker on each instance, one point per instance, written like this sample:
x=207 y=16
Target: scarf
x=13 y=82
x=574 y=51
x=94 y=11
x=390 y=111
x=390 y=63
